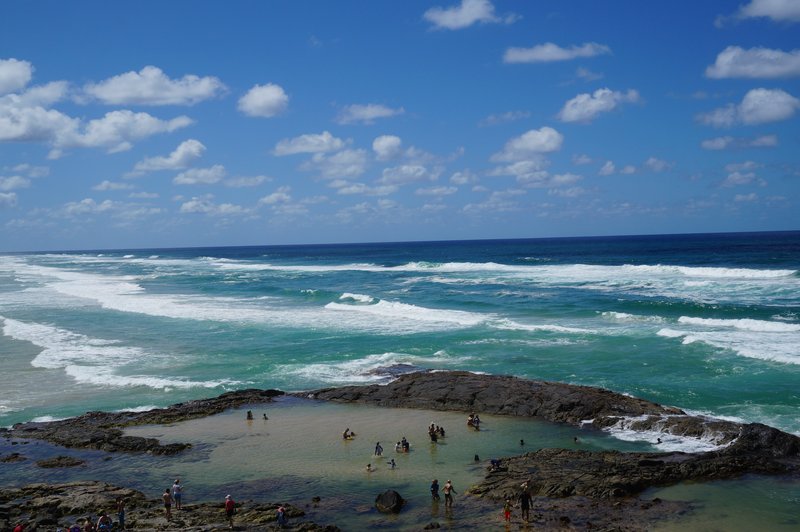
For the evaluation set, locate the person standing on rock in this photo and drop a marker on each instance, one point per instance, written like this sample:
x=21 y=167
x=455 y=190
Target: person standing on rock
x=121 y=512
x=448 y=493
x=280 y=517
x=177 y=492
x=167 y=497
x=230 y=509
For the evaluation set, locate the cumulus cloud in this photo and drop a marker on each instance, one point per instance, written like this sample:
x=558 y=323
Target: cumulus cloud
x=532 y=143
x=14 y=75
x=246 y=181
x=463 y=178
x=763 y=63
x=387 y=147
x=742 y=174
x=759 y=106
x=86 y=206
x=281 y=195
x=111 y=185
x=436 y=191
x=264 y=101
x=407 y=173
x=550 y=52
x=201 y=176
x=728 y=142
x=14 y=182
x=608 y=168
x=503 y=118
x=586 y=107
x=205 y=205
x=183 y=156
x=150 y=86
x=465 y=14
x=8 y=199
x=342 y=164
x=657 y=165
x=309 y=143
x=366 y=114
x=777 y=10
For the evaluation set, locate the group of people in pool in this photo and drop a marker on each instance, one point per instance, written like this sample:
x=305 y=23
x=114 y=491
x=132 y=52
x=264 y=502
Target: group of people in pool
x=435 y=432
x=474 y=421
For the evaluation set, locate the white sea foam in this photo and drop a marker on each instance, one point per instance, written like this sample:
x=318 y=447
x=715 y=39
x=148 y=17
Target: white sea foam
x=625 y=317
x=743 y=324
x=709 y=441
x=46 y=419
x=507 y=324
x=358 y=298
x=367 y=369
x=92 y=360
x=765 y=340
x=403 y=311
x=143 y=408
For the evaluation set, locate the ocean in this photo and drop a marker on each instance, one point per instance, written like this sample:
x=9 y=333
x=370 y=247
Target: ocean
x=708 y=323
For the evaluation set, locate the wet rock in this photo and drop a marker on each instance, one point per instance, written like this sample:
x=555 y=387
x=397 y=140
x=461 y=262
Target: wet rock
x=389 y=502
x=12 y=457
x=60 y=461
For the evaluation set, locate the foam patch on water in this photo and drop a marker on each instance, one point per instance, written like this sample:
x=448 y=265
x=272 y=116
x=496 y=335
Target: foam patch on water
x=358 y=298
x=135 y=409
x=760 y=339
x=46 y=419
x=394 y=310
x=625 y=317
x=369 y=369
x=506 y=324
x=710 y=441
x=92 y=360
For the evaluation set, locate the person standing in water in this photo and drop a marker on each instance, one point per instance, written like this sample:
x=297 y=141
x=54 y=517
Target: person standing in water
x=435 y=490
x=448 y=493
x=378 y=449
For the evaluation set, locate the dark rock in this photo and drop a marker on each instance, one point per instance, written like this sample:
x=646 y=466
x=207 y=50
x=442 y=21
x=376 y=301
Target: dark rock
x=431 y=526
x=389 y=502
x=13 y=457
x=60 y=461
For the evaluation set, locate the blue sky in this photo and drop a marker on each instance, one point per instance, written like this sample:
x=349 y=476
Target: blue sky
x=153 y=124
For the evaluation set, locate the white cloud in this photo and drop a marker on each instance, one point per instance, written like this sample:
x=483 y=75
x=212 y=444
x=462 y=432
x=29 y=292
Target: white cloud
x=13 y=182
x=406 y=173
x=728 y=142
x=14 y=75
x=586 y=107
x=465 y=14
x=201 y=176
x=504 y=118
x=580 y=159
x=86 y=206
x=347 y=188
x=150 y=86
x=436 y=191
x=205 y=205
x=549 y=52
x=657 y=165
x=572 y=192
x=309 y=143
x=532 y=143
x=346 y=163
x=587 y=75
x=116 y=131
x=777 y=10
x=463 y=178
x=739 y=178
x=759 y=106
x=110 y=185
x=281 y=195
x=143 y=195
x=366 y=114
x=764 y=63
x=244 y=181
x=746 y=197
x=628 y=169
x=738 y=167
x=183 y=156
x=264 y=101
x=8 y=199
x=32 y=171
x=387 y=147
x=608 y=168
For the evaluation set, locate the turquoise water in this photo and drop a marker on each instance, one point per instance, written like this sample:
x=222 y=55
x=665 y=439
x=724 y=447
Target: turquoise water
x=709 y=323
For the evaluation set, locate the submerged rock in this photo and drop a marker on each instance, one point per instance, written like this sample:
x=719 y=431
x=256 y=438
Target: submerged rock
x=60 y=461
x=389 y=502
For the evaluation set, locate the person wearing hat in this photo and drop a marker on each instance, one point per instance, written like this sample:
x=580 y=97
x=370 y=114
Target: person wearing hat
x=230 y=509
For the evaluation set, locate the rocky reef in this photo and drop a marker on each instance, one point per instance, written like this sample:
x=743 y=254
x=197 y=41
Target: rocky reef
x=103 y=430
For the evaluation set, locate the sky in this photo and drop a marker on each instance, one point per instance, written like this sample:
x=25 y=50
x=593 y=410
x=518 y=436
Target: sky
x=195 y=123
